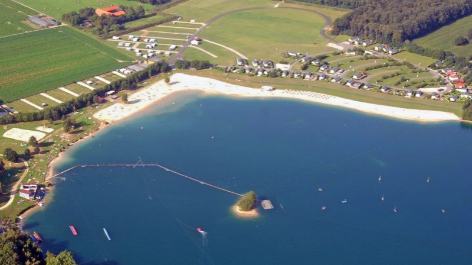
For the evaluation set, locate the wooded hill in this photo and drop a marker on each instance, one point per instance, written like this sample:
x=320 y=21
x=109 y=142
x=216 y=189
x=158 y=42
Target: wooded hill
x=394 y=21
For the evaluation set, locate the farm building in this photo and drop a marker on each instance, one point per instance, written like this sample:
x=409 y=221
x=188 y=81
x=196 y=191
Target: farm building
x=42 y=22
x=110 y=11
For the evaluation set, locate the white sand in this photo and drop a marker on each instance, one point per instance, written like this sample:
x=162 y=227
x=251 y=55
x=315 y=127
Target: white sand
x=23 y=135
x=44 y=129
x=182 y=82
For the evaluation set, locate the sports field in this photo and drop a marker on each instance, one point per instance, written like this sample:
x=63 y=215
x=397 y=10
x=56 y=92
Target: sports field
x=56 y=8
x=444 y=37
x=268 y=33
x=42 y=60
x=11 y=15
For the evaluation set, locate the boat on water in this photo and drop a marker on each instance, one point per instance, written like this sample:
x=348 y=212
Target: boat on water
x=33 y=239
x=383 y=198
x=345 y=201
x=323 y=208
x=106 y=233
x=380 y=178
x=320 y=189
x=36 y=235
x=427 y=180
x=395 y=209
x=72 y=229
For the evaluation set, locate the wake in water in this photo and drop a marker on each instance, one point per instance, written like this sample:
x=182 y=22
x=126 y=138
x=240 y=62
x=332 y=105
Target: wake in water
x=204 y=236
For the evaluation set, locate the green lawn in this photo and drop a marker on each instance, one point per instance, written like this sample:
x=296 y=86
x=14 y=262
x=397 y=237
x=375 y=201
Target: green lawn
x=183 y=25
x=272 y=32
x=162 y=34
x=56 y=8
x=173 y=30
x=415 y=58
x=60 y=95
x=144 y=21
x=42 y=60
x=199 y=55
x=20 y=106
x=444 y=37
x=11 y=16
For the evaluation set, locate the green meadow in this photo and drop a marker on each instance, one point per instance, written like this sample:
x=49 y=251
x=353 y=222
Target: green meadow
x=42 y=60
x=11 y=15
x=268 y=33
x=444 y=37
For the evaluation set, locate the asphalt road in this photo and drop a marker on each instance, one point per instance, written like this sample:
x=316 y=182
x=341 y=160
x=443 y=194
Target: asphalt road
x=187 y=43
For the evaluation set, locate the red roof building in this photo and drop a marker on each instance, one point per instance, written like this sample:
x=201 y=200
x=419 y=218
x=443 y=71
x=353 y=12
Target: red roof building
x=110 y=11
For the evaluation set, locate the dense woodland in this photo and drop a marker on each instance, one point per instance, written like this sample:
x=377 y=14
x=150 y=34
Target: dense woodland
x=389 y=21
x=16 y=248
x=102 y=25
x=60 y=111
x=467 y=110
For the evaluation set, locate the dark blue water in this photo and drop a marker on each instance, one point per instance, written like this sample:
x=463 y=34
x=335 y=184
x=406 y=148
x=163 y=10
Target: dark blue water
x=285 y=151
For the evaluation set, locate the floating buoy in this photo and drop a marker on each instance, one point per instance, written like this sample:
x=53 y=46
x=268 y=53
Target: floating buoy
x=199 y=229
x=142 y=128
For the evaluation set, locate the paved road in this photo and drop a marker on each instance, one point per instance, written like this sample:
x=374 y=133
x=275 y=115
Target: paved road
x=14 y=187
x=187 y=43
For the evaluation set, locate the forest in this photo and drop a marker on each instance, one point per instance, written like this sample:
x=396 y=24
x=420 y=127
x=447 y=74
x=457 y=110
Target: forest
x=393 y=22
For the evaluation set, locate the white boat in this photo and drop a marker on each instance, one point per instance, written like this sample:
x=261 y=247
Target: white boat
x=345 y=201
x=106 y=233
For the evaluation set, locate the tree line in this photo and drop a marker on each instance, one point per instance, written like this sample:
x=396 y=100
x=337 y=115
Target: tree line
x=197 y=64
x=467 y=110
x=84 y=100
x=102 y=25
x=393 y=22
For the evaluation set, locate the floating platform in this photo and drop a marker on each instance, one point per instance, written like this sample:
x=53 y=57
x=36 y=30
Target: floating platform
x=267 y=205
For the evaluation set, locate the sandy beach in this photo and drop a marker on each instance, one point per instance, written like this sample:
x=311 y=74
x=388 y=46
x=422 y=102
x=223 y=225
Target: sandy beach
x=246 y=214
x=182 y=82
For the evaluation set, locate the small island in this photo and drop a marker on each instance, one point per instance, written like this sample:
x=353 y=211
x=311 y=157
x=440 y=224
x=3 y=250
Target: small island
x=246 y=205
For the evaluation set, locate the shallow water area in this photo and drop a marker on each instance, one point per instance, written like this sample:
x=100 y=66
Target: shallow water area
x=284 y=150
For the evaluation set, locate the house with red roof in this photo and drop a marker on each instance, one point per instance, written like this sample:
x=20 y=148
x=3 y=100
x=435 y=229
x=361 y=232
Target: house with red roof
x=110 y=11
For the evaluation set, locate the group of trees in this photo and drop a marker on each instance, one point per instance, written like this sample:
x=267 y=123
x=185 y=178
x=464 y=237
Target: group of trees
x=197 y=64
x=103 y=24
x=248 y=202
x=16 y=248
x=395 y=21
x=57 y=112
x=467 y=110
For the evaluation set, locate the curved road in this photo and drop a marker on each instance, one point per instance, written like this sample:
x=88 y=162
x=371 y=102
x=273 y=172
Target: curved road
x=14 y=187
x=187 y=43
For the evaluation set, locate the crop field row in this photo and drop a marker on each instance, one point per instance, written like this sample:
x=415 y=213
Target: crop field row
x=11 y=16
x=39 y=61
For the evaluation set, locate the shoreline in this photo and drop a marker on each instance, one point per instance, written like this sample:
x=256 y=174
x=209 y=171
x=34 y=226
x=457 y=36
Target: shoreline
x=183 y=82
x=146 y=97
x=244 y=214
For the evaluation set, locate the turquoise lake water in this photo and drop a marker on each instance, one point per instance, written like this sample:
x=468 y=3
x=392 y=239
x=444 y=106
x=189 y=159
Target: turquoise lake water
x=284 y=150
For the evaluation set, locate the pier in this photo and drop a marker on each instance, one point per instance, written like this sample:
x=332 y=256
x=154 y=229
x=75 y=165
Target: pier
x=149 y=165
x=267 y=205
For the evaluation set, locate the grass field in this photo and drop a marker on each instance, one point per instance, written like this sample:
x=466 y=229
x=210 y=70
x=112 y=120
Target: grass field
x=415 y=58
x=444 y=37
x=143 y=21
x=56 y=8
x=11 y=16
x=43 y=60
x=272 y=32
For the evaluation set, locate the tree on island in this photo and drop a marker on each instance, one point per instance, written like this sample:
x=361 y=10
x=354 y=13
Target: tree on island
x=248 y=202
x=10 y=155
